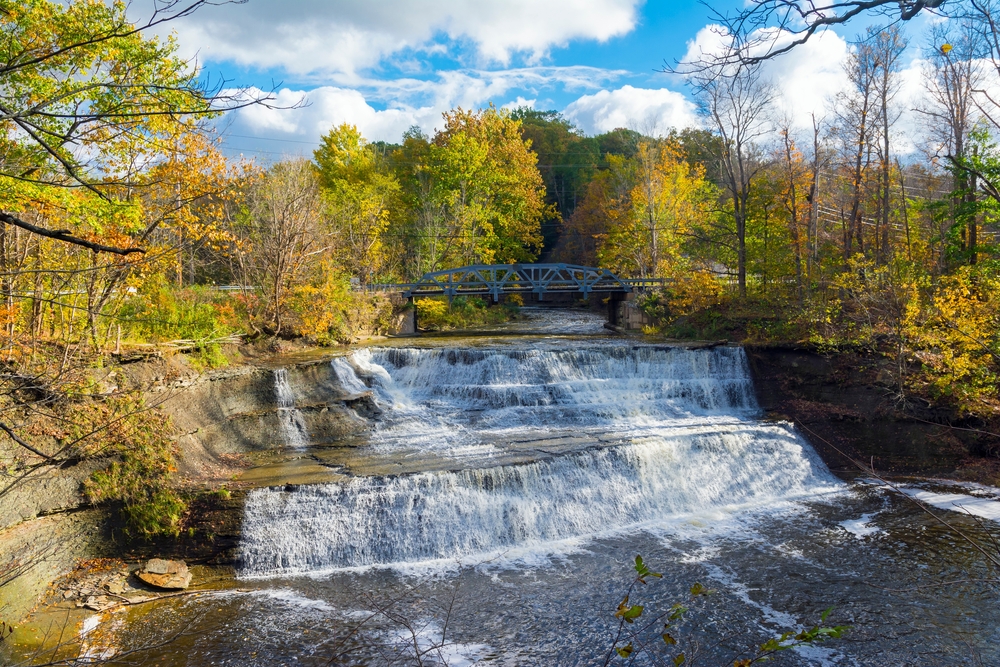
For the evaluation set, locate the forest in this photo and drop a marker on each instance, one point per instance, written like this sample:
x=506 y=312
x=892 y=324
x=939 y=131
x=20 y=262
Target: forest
x=126 y=231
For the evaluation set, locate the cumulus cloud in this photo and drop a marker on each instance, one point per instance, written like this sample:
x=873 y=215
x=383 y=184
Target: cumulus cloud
x=809 y=78
x=342 y=37
x=648 y=110
x=326 y=107
x=302 y=116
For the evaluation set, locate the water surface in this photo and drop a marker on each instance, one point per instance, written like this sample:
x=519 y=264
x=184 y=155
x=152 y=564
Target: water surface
x=494 y=511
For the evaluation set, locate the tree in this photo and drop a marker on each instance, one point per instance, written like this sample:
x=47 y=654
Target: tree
x=887 y=49
x=278 y=235
x=793 y=181
x=954 y=74
x=87 y=101
x=857 y=118
x=360 y=193
x=736 y=104
x=566 y=159
x=487 y=182
x=582 y=235
x=668 y=198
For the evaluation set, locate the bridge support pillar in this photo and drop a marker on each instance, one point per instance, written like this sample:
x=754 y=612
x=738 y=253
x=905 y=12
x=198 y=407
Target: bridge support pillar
x=615 y=300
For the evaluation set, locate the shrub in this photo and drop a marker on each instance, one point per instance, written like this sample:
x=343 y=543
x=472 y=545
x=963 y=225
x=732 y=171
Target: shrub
x=141 y=466
x=330 y=312
x=464 y=312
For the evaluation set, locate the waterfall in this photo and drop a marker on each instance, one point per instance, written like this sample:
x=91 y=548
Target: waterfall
x=685 y=439
x=293 y=427
x=455 y=400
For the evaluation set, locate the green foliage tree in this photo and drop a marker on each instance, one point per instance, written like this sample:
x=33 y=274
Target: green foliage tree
x=487 y=180
x=567 y=160
x=361 y=194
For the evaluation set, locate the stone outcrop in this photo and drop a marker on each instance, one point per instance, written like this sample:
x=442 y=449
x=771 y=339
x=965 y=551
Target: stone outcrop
x=849 y=404
x=165 y=574
x=235 y=411
x=219 y=416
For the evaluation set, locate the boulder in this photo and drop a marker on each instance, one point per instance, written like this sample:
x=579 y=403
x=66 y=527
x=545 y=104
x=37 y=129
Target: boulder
x=166 y=574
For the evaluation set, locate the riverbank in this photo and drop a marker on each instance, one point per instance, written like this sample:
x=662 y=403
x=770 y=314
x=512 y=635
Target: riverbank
x=849 y=407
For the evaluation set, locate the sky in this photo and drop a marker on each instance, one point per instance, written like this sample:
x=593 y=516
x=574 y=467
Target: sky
x=387 y=65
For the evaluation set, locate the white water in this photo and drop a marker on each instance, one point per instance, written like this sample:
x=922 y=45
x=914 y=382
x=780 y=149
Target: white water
x=293 y=427
x=987 y=508
x=682 y=420
x=463 y=402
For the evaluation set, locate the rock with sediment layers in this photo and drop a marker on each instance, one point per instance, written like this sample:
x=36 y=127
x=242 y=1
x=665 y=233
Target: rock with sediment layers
x=167 y=574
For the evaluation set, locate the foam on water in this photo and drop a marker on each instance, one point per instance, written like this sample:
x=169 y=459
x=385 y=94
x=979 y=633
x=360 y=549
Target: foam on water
x=987 y=508
x=684 y=418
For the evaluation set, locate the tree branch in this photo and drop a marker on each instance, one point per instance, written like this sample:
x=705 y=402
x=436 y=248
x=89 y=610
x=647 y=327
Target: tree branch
x=65 y=236
x=13 y=436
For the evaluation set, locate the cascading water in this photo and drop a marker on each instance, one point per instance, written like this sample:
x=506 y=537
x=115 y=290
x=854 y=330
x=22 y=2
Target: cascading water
x=293 y=427
x=499 y=502
x=666 y=432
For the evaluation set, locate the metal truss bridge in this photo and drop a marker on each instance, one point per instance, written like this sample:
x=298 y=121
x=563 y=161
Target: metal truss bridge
x=539 y=279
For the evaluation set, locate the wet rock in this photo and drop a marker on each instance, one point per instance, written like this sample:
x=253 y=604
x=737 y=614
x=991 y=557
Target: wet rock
x=99 y=603
x=166 y=574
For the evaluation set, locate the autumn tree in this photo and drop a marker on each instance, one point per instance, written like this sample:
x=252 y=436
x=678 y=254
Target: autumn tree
x=277 y=237
x=667 y=199
x=736 y=104
x=360 y=193
x=88 y=100
x=487 y=183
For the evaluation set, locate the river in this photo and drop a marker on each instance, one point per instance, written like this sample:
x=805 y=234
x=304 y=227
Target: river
x=493 y=514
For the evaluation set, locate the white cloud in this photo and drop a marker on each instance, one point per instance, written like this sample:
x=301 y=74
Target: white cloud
x=324 y=108
x=809 y=78
x=409 y=102
x=520 y=102
x=648 y=110
x=342 y=37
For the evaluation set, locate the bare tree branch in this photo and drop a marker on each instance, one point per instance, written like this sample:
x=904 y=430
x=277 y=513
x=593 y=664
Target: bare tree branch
x=762 y=29
x=65 y=236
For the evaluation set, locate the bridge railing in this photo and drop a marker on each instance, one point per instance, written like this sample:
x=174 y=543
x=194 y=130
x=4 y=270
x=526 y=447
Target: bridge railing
x=497 y=279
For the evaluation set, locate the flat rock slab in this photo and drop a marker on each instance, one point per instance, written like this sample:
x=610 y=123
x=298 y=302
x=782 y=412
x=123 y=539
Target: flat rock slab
x=166 y=574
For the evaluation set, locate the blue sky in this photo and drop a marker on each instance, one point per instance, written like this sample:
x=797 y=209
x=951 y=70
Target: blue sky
x=385 y=65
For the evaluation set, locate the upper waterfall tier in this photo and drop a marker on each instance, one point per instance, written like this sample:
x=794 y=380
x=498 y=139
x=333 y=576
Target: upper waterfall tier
x=610 y=381
x=464 y=400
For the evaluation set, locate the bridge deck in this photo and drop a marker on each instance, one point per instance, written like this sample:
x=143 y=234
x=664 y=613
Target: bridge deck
x=497 y=279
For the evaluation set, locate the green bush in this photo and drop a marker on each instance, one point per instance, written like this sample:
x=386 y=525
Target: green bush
x=463 y=312
x=137 y=479
x=166 y=313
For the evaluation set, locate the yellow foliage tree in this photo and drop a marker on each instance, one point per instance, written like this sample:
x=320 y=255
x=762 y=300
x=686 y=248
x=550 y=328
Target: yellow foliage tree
x=648 y=228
